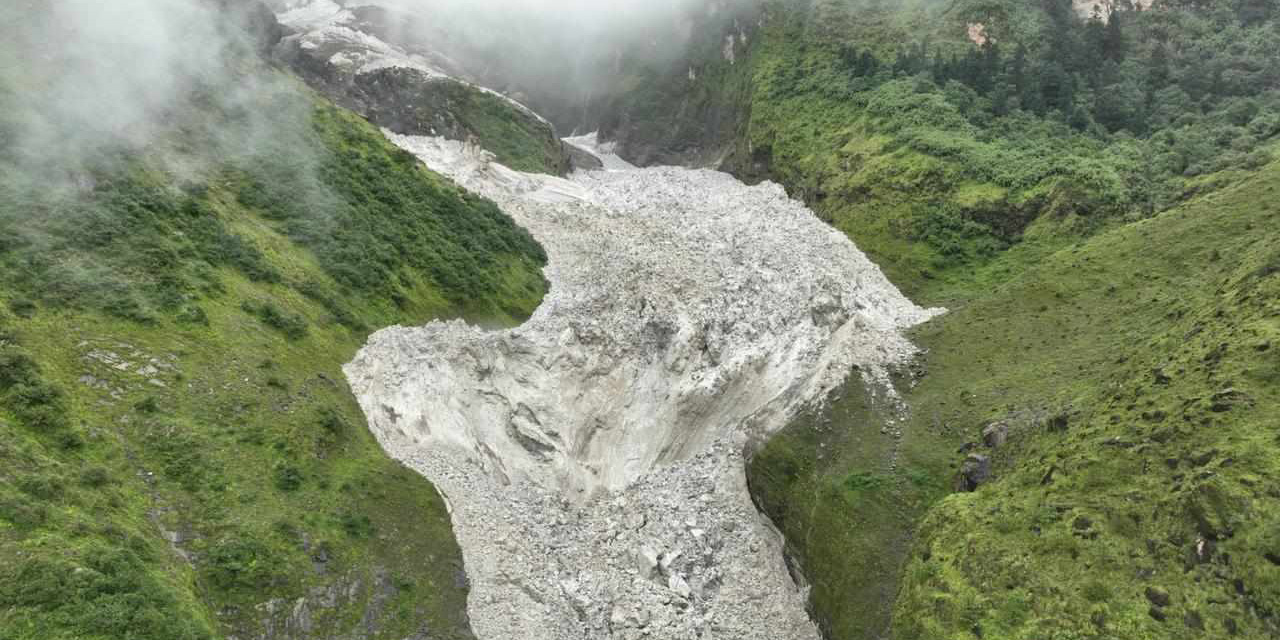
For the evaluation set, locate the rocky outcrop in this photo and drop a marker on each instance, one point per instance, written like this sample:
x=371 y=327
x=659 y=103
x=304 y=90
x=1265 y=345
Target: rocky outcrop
x=995 y=434
x=308 y=617
x=407 y=91
x=581 y=160
x=975 y=471
x=412 y=102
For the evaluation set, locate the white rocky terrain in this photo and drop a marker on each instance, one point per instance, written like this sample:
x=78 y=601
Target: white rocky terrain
x=593 y=457
x=330 y=31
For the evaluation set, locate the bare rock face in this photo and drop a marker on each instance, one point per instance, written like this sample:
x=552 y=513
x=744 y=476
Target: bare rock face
x=975 y=470
x=594 y=457
x=407 y=90
x=995 y=435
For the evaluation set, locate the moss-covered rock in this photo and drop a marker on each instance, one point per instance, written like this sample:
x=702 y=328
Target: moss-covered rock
x=411 y=103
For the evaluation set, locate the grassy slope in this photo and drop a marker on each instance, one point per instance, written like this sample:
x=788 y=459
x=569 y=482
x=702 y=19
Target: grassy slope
x=1138 y=374
x=1144 y=472
x=517 y=139
x=1046 y=323
x=181 y=457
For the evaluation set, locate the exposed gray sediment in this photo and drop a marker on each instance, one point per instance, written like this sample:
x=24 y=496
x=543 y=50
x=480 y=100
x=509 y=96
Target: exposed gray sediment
x=593 y=457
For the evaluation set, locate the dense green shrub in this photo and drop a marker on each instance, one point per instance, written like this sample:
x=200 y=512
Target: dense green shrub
x=287 y=477
x=333 y=427
x=42 y=486
x=95 y=477
x=293 y=326
x=180 y=457
x=240 y=562
x=117 y=236
x=109 y=594
x=22 y=511
x=356 y=525
x=37 y=404
x=1185 y=82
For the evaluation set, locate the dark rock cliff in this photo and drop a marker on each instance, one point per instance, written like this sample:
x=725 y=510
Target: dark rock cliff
x=416 y=102
x=690 y=110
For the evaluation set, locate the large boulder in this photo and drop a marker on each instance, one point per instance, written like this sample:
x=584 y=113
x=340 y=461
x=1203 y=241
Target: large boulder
x=995 y=434
x=975 y=470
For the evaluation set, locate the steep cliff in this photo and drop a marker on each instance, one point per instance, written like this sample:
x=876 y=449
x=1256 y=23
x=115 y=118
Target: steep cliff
x=410 y=89
x=688 y=109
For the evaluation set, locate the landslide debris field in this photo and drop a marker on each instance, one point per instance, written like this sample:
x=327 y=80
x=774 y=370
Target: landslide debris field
x=593 y=457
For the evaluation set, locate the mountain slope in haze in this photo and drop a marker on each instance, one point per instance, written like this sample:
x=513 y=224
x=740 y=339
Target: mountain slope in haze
x=1105 y=242
x=365 y=58
x=181 y=455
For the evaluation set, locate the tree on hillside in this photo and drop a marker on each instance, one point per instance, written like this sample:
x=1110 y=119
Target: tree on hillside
x=1113 y=40
x=1251 y=12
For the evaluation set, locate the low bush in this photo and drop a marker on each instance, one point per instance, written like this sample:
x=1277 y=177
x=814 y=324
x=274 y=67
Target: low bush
x=239 y=562
x=293 y=326
x=95 y=477
x=107 y=593
x=180 y=457
x=356 y=525
x=287 y=477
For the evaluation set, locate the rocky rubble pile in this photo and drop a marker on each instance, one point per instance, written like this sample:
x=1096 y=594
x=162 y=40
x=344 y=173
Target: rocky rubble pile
x=594 y=456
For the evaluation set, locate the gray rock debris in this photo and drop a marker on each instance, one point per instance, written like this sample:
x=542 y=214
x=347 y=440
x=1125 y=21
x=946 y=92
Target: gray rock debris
x=593 y=457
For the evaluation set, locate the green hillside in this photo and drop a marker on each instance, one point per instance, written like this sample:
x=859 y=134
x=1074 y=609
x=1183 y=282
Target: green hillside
x=1111 y=274
x=180 y=456
x=1136 y=376
x=1086 y=448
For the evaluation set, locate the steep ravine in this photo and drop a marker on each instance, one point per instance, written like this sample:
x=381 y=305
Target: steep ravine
x=593 y=457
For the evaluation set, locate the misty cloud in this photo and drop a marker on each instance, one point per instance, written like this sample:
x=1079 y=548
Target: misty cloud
x=559 y=56
x=94 y=90
x=92 y=71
